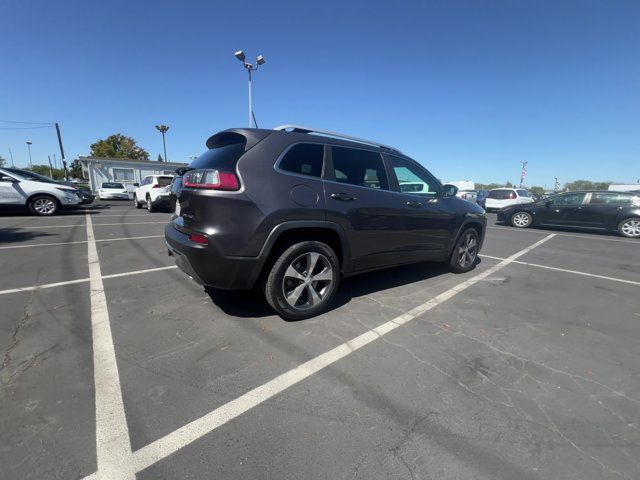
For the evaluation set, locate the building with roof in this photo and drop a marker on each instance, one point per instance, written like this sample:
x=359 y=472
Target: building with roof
x=123 y=170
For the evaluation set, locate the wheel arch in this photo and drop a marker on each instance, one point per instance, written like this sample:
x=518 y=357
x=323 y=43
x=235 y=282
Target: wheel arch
x=286 y=234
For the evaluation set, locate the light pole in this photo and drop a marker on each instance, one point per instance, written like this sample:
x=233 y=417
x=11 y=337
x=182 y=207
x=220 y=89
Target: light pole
x=163 y=129
x=29 y=148
x=250 y=67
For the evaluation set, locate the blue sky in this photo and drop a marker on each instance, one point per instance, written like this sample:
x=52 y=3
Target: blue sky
x=468 y=88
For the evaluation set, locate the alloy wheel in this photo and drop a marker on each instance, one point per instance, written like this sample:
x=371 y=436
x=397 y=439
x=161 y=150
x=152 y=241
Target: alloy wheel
x=631 y=228
x=468 y=251
x=307 y=281
x=521 y=220
x=44 y=206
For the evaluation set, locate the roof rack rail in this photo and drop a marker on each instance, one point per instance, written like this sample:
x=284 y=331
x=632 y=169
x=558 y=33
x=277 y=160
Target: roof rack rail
x=327 y=133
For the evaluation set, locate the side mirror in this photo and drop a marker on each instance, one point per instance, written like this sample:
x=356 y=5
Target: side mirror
x=450 y=190
x=136 y=184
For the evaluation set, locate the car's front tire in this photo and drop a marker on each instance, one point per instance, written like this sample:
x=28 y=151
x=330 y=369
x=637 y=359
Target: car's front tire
x=44 y=205
x=136 y=202
x=630 y=227
x=303 y=280
x=465 y=252
x=521 y=220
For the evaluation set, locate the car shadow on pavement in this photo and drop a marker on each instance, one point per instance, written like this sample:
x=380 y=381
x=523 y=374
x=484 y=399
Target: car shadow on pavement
x=252 y=304
x=17 y=235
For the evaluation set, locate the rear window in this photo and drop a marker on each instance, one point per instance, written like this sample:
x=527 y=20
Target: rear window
x=222 y=157
x=502 y=194
x=359 y=167
x=304 y=159
x=112 y=185
x=164 y=180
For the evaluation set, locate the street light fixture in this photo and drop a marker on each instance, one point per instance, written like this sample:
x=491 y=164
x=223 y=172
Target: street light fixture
x=163 y=129
x=29 y=148
x=250 y=67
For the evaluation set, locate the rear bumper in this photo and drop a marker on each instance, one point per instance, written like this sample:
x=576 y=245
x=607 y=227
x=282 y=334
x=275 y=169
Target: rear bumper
x=162 y=200
x=207 y=266
x=114 y=196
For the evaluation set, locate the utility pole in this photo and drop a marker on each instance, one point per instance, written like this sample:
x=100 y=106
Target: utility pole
x=11 y=155
x=163 y=129
x=50 y=167
x=64 y=163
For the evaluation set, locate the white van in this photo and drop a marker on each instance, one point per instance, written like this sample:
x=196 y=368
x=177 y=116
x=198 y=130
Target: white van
x=503 y=197
x=41 y=195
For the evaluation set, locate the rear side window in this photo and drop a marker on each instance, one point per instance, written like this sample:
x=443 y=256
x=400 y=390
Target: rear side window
x=523 y=193
x=610 y=199
x=503 y=194
x=359 y=167
x=304 y=159
x=223 y=156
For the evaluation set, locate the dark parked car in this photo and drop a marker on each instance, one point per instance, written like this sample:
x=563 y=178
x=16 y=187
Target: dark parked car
x=594 y=210
x=84 y=192
x=296 y=209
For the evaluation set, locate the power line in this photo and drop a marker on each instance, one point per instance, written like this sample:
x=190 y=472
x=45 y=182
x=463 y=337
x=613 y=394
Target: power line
x=25 y=128
x=27 y=123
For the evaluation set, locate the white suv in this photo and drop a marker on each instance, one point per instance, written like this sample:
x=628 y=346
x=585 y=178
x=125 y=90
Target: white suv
x=41 y=195
x=154 y=192
x=503 y=197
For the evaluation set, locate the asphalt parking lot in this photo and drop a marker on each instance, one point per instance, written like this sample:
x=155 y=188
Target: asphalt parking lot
x=115 y=365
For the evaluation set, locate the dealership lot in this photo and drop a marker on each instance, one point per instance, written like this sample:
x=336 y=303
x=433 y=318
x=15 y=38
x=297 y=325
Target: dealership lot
x=526 y=367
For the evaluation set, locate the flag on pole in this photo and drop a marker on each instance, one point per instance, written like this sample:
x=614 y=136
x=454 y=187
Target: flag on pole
x=556 y=186
x=524 y=172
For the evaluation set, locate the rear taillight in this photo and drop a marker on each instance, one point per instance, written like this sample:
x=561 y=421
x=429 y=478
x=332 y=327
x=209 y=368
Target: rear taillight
x=158 y=186
x=201 y=239
x=512 y=195
x=211 y=179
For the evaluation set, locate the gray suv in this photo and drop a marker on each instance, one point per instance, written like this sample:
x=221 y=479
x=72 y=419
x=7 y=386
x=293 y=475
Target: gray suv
x=296 y=209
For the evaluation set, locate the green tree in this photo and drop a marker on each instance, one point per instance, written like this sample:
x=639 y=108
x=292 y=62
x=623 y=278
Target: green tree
x=75 y=169
x=586 y=185
x=3 y=161
x=160 y=158
x=46 y=170
x=538 y=191
x=118 y=146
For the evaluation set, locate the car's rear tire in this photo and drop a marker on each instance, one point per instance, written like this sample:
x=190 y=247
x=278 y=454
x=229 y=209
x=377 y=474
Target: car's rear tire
x=521 y=220
x=630 y=227
x=44 y=205
x=136 y=202
x=465 y=252
x=303 y=280
x=149 y=205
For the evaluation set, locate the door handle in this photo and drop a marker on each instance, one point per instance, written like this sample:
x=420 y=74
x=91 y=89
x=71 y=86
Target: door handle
x=413 y=204
x=345 y=197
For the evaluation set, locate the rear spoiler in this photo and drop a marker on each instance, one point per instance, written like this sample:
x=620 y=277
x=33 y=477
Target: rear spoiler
x=238 y=135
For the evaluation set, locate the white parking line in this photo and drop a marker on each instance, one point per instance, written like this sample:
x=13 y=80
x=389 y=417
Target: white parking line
x=79 y=241
x=112 y=433
x=559 y=234
x=82 y=280
x=178 y=439
x=83 y=225
x=575 y=272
